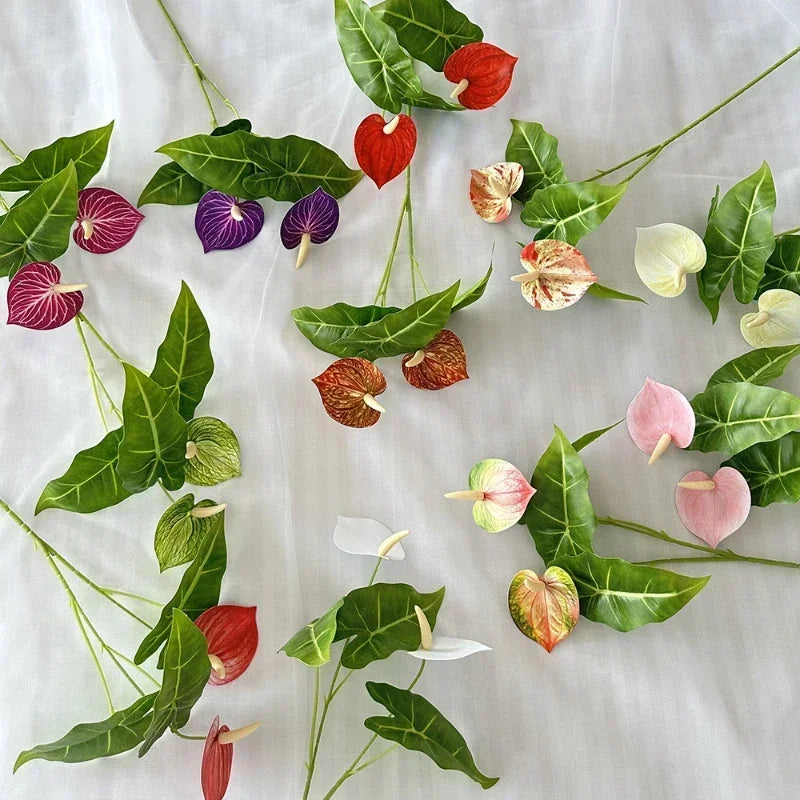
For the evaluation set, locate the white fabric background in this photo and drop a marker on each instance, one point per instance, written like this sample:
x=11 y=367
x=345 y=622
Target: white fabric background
x=704 y=706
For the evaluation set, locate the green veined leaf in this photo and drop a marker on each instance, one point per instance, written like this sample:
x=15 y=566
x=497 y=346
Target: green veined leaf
x=234 y=125
x=432 y=101
x=624 y=595
x=590 y=437
x=186 y=673
x=533 y=147
x=418 y=725
x=381 y=620
x=711 y=303
x=172 y=185
x=312 y=643
x=473 y=294
x=179 y=535
x=771 y=469
x=324 y=327
x=758 y=366
x=217 y=456
x=607 y=293
x=782 y=270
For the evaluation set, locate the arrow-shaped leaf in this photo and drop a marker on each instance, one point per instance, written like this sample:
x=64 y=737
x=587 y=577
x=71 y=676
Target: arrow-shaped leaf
x=312 y=643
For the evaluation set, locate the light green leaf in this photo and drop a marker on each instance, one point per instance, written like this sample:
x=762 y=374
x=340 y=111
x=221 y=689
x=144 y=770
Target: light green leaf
x=533 y=147
x=217 y=457
x=590 y=437
x=312 y=643
x=607 y=293
x=179 y=535
x=771 y=469
x=473 y=294
x=757 y=366
x=324 y=327
x=432 y=101
x=172 y=185
x=782 y=270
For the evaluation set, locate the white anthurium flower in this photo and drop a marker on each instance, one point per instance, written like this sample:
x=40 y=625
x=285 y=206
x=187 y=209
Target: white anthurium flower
x=442 y=648
x=665 y=254
x=368 y=537
x=777 y=321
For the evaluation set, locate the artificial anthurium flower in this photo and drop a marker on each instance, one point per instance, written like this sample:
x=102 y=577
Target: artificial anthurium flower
x=38 y=300
x=442 y=648
x=348 y=389
x=545 y=609
x=660 y=416
x=224 y=223
x=482 y=73
x=384 y=149
x=491 y=188
x=313 y=218
x=777 y=322
x=368 y=537
x=439 y=364
x=665 y=254
x=106 y=221
x=215 y=772
x=232 y=636
x=557 y=274
x=500 y=494
x=713 y=508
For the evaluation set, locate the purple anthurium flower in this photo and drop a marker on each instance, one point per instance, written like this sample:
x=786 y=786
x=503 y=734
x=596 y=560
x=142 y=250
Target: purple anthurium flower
x=38 y=300
x=106 y=221
x=313 y=218
x=224 y=223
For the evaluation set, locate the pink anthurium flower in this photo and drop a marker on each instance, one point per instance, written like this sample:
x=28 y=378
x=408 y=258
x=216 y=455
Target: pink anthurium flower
x=491 y=188
x=659 y=416
x=106 y=221
x=38 y=300
x=713 y=508
x=232 y=636
x=215 y=771
x=442 y=648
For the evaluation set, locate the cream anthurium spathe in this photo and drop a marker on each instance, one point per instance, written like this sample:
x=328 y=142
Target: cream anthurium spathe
x=777 y=321
x=368 y=537
x=665 y=254
x=442 y=648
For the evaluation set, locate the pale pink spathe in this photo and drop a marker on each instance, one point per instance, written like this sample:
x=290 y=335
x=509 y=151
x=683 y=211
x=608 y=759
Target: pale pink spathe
x=658 y=409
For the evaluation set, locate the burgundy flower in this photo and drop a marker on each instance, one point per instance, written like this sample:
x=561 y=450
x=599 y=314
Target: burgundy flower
x=106 y=221
x=38 y=300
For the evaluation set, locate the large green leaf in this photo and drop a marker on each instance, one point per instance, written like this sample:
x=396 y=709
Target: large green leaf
x=179 y=534
x=568 y=211
x=153 y=442
x=186 y=673
x=418 y=725
x=739 y=237
x=380 y=619
x=379 y=66
x=430 y=30
x=122 y=731
x=758 y=366
x=90 y=483
x=217 y=452
x=312 y=643
x=626 y=596
x=473 y=294
x=771 y=469
x=87 y=151
x=782 y=270
x=37 y=228
x=172 y=185
x=533 y=147
x=733 y=416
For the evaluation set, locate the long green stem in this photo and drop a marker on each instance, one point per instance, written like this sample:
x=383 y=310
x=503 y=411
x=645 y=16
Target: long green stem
x=7 y=148
x=383 y=286
x=187 y=736
x=85 y=320
x=92 y=373
x=788 y=233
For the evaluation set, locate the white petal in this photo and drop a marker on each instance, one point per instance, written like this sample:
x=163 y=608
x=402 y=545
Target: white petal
x=664 y=254
x=782 y=325
x=446 y=648
x=362 y=537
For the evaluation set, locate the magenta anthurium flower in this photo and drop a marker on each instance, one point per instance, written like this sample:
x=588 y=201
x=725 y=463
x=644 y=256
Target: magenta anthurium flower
x=106 y=221
x=232 y=636
x=38 y=300
x=224 y=223
x=313 y=218
x=215 y=771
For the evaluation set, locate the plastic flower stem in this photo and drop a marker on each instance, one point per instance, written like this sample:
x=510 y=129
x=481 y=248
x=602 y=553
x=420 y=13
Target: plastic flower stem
x=14 y=155
x=787 y=233
x=85 y=320
x=723 y=555
x=92 y=373
x=410 y=226
x=653 y=152
x=187 y=736
x=315 y=708
x=383 y=286
x=130 y=662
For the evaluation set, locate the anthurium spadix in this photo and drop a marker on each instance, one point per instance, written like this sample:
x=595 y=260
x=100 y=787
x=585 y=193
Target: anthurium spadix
x=348 y=389
x=224 y=223
x=368 y=537
x=215 y=772
x=38 y=300
x=442 y=648
x=659 y=416
x=777 y=321
x=106 y=221
x=312 y=219
x=491 y=189
x=232 y=636
x=665 y=254
x=500 y=494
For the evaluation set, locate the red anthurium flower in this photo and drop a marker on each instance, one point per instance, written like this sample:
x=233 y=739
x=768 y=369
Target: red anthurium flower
x=106 y=221
x=38 y=300
x=441 y=363
x=483 y=74
x=384 y=149
x=232 y=636
x=348 y=389
x=215 y=772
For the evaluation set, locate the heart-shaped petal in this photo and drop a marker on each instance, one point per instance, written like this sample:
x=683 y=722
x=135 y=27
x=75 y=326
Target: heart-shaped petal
x=665 y=254
x=659 y=416
x=713 y=508
x=367 y=537
x=348 y=389
x=777 y=322
x=224 y=223
x=232 y=635
x=441 y=363
x=483 y=73
x=106 y=220
x=38 y=300
x=545 y=609
x=215 y=772
x=448 y=648
x=491 y=187
x=384 y=149
x=557 y=274
x=313 y=218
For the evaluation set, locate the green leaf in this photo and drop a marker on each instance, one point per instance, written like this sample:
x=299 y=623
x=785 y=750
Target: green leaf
x=38 y=227
x=379 y=66
x=568 y=211
x=153 y=442
x=217 y=457
x=186 y=673
x=771 y=469
x=626 y=596
x=172 y=185
x=733 y=416
x=380 y=619
x=432 y=101
x=473 y=294
x=782 y=270
x=739 y=237
x=233 y=126
x=418 y=725
x=758 y=366
x=711 y=303
x=87 y=151
x=588 y=438
x=430 y=30
x=184 y=364
x=607 y=293
x=312 y=643
x=122 y=731
x=179 y=535
x=533 y=147
x=198 y=590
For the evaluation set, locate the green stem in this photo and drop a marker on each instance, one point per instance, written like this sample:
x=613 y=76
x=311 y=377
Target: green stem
x=788 y=233
x=92 y=373
x=410 y=226
x=15 y=156
x=383 y=286
x=722 y=555
x=166 y=491
x=187 y=736
x=133 y=664
x=85 y=320
x=132 y=596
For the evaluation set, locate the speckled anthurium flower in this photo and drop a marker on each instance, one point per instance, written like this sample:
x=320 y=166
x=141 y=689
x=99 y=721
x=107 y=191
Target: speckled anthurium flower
x=557 y=275
x=665 y=254
x=106 y=221
x=367 y=537
x=384 y=149
x=232 y=636
x=215 y=772
x=482 y=73
x=491 y=188
x=348 y=389
x=442 y=648
x=313 y=218
x=38 y=300
x=439 y=364
x=777 y=321
x=500 y=494
x=224 y=223
x=659 y=416
x=545 y=609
